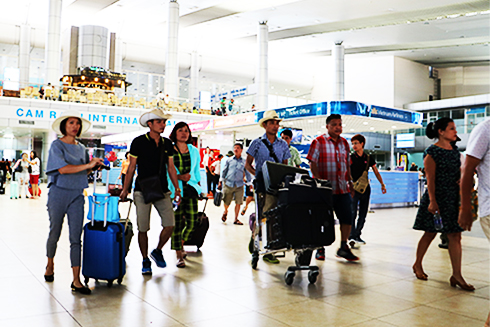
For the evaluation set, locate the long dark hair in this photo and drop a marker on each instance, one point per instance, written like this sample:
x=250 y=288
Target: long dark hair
x=432 y=130
x=179 y=125
x=35 y=154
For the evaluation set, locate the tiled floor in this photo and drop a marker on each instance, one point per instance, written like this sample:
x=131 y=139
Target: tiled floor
x=219 y=288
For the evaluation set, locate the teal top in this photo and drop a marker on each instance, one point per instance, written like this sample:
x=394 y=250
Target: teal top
x=195 y=172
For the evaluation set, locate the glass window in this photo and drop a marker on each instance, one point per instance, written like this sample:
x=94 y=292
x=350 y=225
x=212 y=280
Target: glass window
x=443 y=114
x=457 y=114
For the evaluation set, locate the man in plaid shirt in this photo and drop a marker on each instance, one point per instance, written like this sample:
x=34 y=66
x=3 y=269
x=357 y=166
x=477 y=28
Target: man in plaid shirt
x=330 y=159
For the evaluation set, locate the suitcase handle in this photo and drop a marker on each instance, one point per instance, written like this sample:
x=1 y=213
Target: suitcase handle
x=129 y=210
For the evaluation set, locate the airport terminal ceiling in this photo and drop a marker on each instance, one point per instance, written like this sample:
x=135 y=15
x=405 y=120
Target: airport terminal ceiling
x=439 y=32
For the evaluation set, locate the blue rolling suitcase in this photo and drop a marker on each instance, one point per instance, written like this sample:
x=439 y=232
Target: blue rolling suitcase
x=103 y=249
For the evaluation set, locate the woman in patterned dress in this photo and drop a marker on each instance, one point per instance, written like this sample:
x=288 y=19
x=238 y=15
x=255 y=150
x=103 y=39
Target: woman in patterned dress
x=186 y=161
x=442 y=165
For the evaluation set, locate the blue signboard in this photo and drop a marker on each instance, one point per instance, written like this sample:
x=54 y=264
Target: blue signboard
x=350 y=108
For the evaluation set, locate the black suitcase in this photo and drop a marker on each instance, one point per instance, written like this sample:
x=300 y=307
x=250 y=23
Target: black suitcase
x=2 y=190
x=309 y=190
x=274 y=174
x=199 y=234
x=218 y=196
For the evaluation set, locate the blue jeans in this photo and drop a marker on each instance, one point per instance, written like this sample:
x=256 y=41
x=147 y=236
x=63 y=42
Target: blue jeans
x=361 y=200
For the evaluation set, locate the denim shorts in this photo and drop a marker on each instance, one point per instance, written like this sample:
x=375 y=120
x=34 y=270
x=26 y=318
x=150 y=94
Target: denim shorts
x=342 y=206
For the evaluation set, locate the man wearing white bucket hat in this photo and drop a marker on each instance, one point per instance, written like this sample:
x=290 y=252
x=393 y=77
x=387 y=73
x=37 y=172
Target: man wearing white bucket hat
x=268 y=147
x=67 y=169
x=154 y=156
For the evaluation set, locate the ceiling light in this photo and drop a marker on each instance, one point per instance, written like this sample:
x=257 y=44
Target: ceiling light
x=409 y=22
x=453 y=16
x=343 y=125
x=372 y=128
x=486 y=12
x=365 y=123
x=471 y=14
x=393 y=126
x=318 y=132
x=439 y=18
x=310 y=121
x=351 y=129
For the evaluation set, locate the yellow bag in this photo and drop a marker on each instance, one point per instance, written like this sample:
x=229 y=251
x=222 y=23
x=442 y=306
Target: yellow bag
x=363 y=182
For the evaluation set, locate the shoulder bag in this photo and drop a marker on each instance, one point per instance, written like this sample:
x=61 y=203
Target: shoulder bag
x=271 y=150
x=363 y=182
x=151 y=187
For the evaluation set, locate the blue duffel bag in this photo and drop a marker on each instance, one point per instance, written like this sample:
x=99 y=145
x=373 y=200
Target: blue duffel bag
x=103 y=205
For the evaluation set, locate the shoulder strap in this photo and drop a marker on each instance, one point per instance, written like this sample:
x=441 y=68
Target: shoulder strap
x=271 y=150
x=367 y=166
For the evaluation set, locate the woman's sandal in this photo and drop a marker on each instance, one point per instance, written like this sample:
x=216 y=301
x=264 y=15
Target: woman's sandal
x=181 y=263
x=237 y=222
x=243 y=211
x=223 y=218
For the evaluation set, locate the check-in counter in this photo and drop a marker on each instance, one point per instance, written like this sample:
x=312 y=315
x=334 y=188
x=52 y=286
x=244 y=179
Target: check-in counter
x=402 y=189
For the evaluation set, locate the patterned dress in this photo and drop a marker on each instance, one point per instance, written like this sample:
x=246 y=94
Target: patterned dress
x=448 y=164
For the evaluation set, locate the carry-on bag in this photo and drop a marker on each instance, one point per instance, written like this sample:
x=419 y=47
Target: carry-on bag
x=128 y=228
x=103 y=250
x=2 y=190
x=199 y=234
x=115 y=190
x=218 y=197
x=14 y=190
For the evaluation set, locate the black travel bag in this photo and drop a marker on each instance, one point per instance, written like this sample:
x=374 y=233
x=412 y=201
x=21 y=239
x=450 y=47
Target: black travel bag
x=199 y=234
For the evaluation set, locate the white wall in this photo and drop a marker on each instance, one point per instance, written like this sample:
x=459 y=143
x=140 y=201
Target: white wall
x=370 y=79
x=412 y=82
x=464 y=81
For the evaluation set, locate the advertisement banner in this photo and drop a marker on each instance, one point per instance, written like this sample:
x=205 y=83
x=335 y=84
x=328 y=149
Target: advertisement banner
x=201 y=125
x=237 y=120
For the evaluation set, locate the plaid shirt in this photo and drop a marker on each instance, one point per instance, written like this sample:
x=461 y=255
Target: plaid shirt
x=333 y=160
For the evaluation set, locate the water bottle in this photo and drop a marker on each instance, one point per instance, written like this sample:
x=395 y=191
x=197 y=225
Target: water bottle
x=438 y=221
x=175 y=203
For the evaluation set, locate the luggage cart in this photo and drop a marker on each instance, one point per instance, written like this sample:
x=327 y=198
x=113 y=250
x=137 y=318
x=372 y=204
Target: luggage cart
x=262 y=245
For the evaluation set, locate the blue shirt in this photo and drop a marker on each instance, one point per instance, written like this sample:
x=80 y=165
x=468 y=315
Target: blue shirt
x=232 y=174
x=261 y=153
x=62 y=154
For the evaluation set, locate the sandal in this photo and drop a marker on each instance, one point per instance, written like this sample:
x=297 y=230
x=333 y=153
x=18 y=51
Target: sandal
x=223 y=218
x=237 y=222
x=243 y=211
x=181 y=263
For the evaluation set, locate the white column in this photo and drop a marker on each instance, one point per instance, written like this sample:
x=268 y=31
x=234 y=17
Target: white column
x=262 y=75
x=24 y=54
x=172 y=60
x=118 y=56
x=338 y=72
x=53 y=43
x=194 y=85
x=392 y=158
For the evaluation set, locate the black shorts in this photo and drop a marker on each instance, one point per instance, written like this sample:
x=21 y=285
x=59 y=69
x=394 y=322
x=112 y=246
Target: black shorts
x=249 y=191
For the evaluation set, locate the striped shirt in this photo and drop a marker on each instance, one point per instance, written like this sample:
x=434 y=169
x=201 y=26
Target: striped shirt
x=333 y=160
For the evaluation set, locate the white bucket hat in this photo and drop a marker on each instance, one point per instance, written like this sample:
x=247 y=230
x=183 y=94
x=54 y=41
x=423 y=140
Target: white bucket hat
x=67 y=114
x=154 y=114
x=269 y=115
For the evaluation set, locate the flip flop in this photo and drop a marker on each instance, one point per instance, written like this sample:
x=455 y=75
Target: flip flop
x=223 y=218
x=237 y=222
x=181 y=263
x=243 y=212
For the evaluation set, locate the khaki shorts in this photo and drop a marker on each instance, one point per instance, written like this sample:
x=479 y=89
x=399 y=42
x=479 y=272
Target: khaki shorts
x=143 y=211
x=485 y=225
x=228 y=194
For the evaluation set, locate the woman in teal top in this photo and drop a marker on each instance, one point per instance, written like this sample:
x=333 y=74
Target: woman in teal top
x=186 y=161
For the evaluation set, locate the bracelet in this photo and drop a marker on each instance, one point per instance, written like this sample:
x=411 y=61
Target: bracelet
x=178 y=190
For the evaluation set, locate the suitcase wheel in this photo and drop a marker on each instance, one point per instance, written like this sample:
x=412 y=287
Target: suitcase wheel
x=110 y=282
x=119 y=281
x=255 y=259
x=312 y=275
x=289 y=277
x=86 y=279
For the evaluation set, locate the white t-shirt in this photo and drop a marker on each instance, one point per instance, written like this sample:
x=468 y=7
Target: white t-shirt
x=35 y=166
x=479 y=147
x=217 y=167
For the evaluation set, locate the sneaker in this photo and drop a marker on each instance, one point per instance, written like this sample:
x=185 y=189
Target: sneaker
x=320 y=254
x=270 y=258
x=352 y=243
x=157 y=256
x=146 y=267
x=360 y=241
x=346 y=254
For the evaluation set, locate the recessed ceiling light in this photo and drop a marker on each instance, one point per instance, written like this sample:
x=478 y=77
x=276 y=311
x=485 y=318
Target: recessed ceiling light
x=393 y=126
x=471 y=14
x=318 y=132
x=365 y=123
x=351 y=129
x=453 y=16
x=216 y=132
x=310 y=121
x=372 y=128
